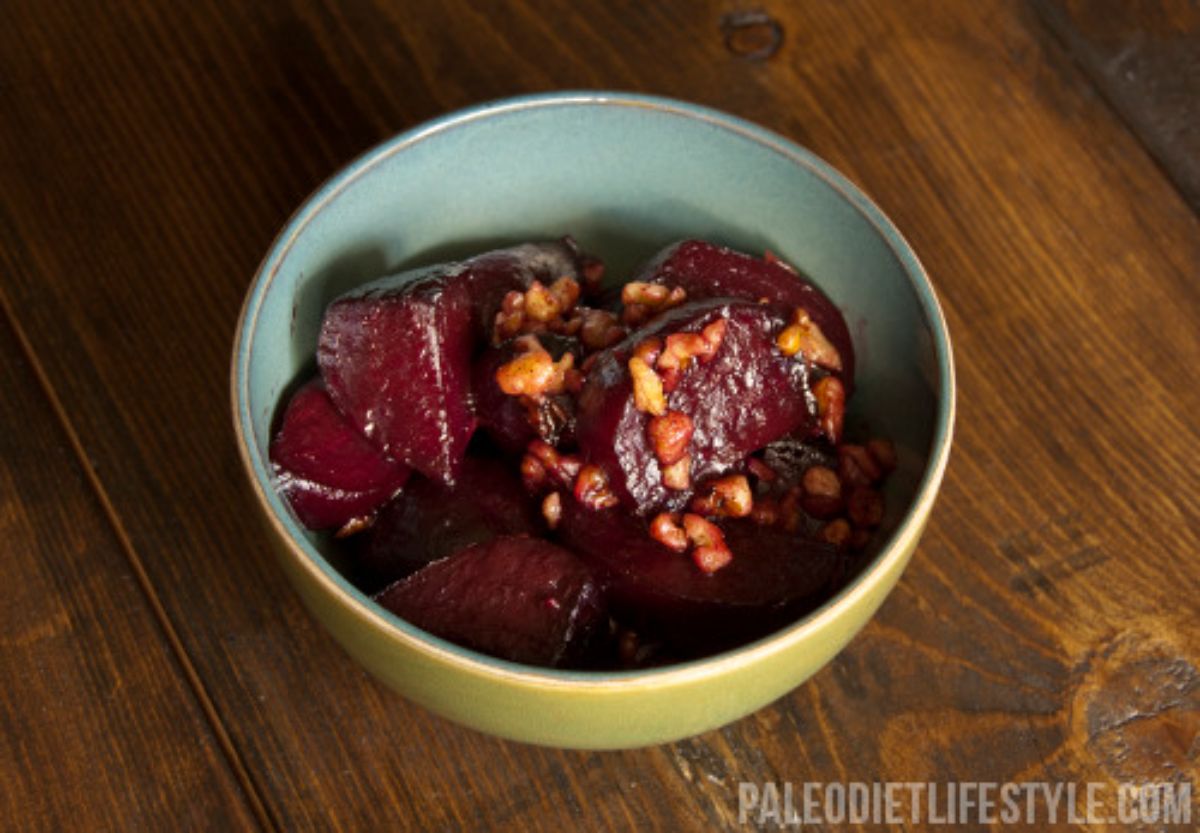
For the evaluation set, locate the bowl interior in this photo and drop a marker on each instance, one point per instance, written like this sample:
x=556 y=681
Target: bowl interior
x=624 y=176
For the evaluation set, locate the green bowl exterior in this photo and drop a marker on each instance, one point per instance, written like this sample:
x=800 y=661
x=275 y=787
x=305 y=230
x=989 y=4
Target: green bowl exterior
x=626 y=174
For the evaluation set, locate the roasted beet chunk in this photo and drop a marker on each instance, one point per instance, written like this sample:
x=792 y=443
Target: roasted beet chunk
x=657 y=424
x=517 y=598
x=396 y=353
x=327 y=471
x=429 y=522
x=514 y=421
x=705 y=270
x=771 y=577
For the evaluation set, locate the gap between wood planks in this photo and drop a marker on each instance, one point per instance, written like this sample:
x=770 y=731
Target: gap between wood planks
x=251 y=789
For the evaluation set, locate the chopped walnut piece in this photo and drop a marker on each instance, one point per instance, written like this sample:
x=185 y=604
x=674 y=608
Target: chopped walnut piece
x=648 y=396
x=592 y=489
x=761 y=470
x=822 y=492
x=643 y=301
x=765 y=511
x=534 y=373
x=599 y=329
x=836 y=532
x=710 y=552
x=537 y=309
x=669 y=436
x=552 y=509
x=803 y=336
x=883 y=452
x=543 y=464
x=354 y=526
x=728 y=497
x=678 y=475
x=856 y=466
x=649 y=350
x=593 y=274
x=666 y=530
x=831 y=407
x=864 y=507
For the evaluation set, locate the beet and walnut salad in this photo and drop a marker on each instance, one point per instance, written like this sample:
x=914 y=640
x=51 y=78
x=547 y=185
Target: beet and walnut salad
x=518 y=460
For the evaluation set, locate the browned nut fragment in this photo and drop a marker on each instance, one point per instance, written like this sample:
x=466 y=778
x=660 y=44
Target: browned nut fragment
x=883 y=452
x=728 y=497
x=649 y=350
x=561 y=469
x=831 y=407
x=354 y=526
x=634 y=315
x=566 y=291
x=541 y=304
x=856 y=466
x=864 y=507
x=666 y=530
x=669 y=436
x=836 y=532
x=592 y=489
x=593 y=274
x=710 y=552
x=552 y=509
x=534 y=373
x=647 y=294
x=648 y=396
x=713 y=334
x=567 y=326
x=599 y=329
x=803 y=336
x=822 y=492
x=790 y=514
x=678 y=475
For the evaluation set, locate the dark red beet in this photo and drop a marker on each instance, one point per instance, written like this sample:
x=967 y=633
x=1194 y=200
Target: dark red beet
x=429 y=521
x=706 y=270
x=326 y=470
x=517 y=598
x=505 y=418
x=396 y=353
x=748 y=395
x=773 y=577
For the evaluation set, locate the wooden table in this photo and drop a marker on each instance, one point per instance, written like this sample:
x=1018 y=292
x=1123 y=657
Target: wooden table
x=1044 y=159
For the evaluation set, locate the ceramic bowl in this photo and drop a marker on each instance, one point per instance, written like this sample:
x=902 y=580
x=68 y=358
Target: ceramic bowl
x=625 y=175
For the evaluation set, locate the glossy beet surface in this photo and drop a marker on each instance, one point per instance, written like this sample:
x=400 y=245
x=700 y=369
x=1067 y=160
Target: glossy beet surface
x=518 y=598
x=507 y=420
x=324 y=468
x=396 y=353
x=773 y=575
x=429 y=521
x=747 y=395
x=706 y=270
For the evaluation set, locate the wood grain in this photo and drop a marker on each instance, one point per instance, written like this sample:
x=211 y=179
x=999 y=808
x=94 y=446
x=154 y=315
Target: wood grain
x=98 y=729
x=151 y=150
x=1144 y=58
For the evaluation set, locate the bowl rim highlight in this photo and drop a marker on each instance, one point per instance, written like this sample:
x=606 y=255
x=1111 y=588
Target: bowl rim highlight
x=435 y=648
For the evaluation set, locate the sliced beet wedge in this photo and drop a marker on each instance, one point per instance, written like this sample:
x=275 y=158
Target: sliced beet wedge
x=511 y=423
x=396 y=353
x=324 y=468
x=747 y=395
x=517 y=598
x=706 y=270
x=429 y=522
x=773 y=577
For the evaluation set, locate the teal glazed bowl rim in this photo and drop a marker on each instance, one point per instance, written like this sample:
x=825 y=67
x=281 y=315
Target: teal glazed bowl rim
x=441 y=650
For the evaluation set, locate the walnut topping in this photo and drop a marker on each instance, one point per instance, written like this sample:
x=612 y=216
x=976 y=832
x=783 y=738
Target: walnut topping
x=666 y=530
x=539 y=308
x=678 y=475
x=534 y=374
x=831 y=407
x=710 y=552
x=864 y=507
x=592 y=489
x=544 y=466
x=728 y=497
x=552 y=509
x=648 y=396
x=803 y=336
x=599 y=329
x=836 y=532
x=857 y=466
x=680 y=349
x=822 y=492
x=669 y=436
x=642 y=301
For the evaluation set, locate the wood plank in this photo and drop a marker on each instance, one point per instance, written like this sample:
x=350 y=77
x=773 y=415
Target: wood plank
x=98 y=727
x=1060 y=566
x=1144 y=58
